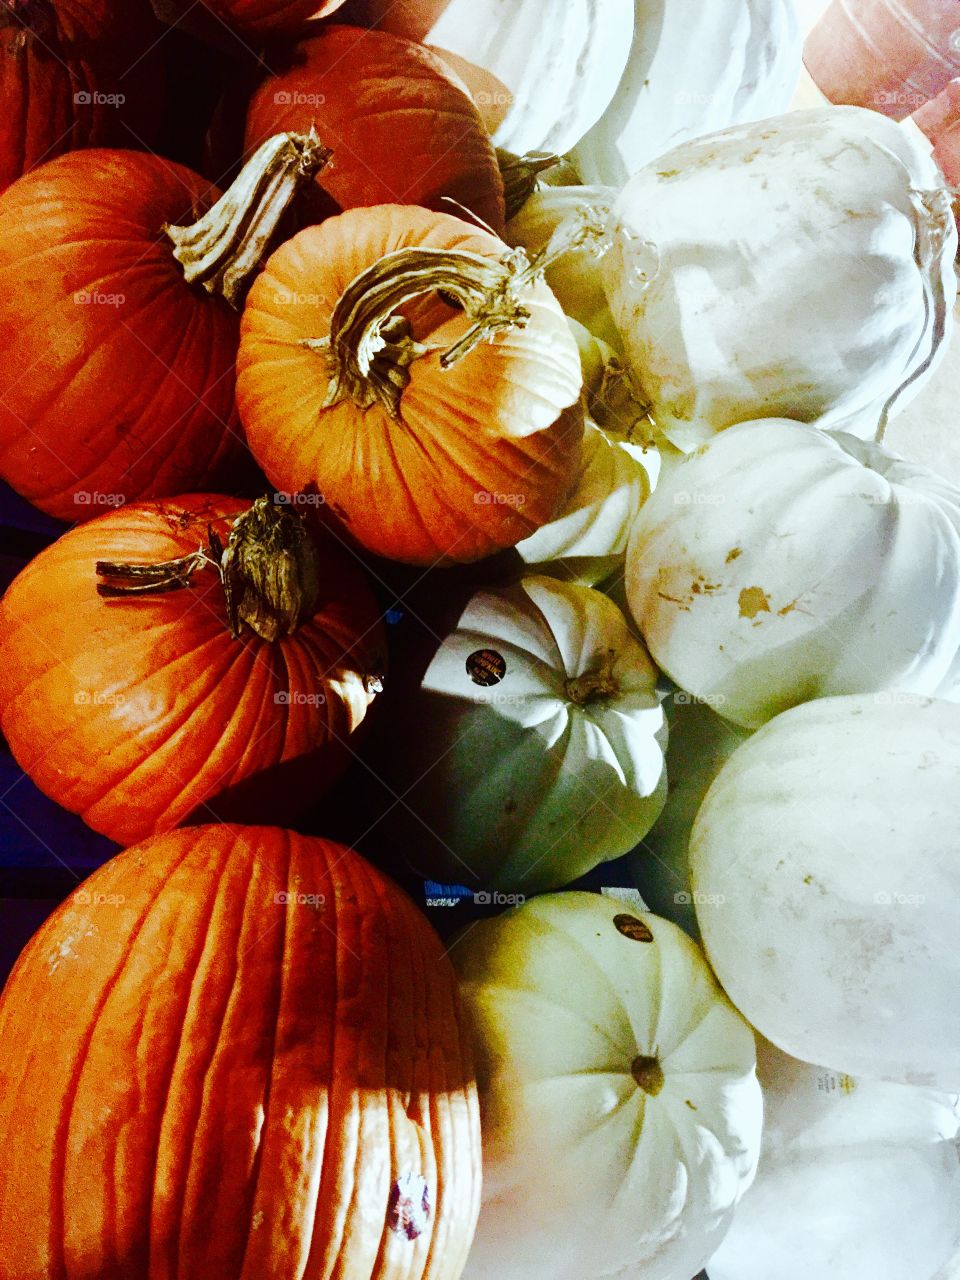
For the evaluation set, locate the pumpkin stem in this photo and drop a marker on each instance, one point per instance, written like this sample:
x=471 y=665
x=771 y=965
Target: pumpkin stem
x=370 y=348
x=269 y=569
x=648 y=1073
x=618 y=407
x=223 y=249
x=594 y=685
x=520 y=174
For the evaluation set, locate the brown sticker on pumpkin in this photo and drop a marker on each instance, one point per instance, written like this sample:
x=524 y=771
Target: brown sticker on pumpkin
x=408 y=1211
x=632 y=928
x=486 y=667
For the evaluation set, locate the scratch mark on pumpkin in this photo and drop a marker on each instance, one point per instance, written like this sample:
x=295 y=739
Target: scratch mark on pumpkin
x=753 y=600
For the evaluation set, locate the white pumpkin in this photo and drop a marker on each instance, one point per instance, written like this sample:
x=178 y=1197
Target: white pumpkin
x=574 y=278
x=858 y=1179
x=620 y=1111
x=700 y=744
x=547 y=67
x=695 y=66
x=538 y=744
x=779 y=563
x=824 y=860
x=588 y=540
x=801 y=267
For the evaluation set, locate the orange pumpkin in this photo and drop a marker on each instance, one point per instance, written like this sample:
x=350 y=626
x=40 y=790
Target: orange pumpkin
x=120 y=283
x=63 y=81
x=224 y=683
x=233 y=1055
x=400 y=128
x=436 y=433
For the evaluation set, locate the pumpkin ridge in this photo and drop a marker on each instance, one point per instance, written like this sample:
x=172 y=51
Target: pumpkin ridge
x=329 y=1167
x=47 y=427
x=281 y=970
x=202 y=790
x=56 y=1235
x=203 y=940
x=154 y=763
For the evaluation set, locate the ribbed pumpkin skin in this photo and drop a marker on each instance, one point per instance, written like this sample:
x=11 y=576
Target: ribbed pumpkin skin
x=40 y=117
x=401 y=130
x=203 y=1082
x=485 y=451
x=63 y=83
x=135 y=713
x=127 y=393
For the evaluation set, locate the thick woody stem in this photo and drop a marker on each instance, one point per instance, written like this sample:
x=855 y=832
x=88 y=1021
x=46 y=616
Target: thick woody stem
x=224 y=248
x=370 y=348
x=269 y=569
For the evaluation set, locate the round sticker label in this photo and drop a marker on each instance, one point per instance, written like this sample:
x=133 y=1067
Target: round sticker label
x=486 y=667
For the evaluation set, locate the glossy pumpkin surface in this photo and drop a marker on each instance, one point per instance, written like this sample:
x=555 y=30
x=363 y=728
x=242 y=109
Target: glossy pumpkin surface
x=135 y=713
x=116 y=377
x=236 y=1053
x=483 y=452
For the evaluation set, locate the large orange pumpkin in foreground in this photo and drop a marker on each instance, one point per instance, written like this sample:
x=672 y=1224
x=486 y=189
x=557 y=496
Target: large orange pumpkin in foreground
x=435 y=433
x=163 y=700
x=236 y=1055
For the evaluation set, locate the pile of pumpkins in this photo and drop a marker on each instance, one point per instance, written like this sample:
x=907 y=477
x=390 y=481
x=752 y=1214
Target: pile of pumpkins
x=558 y=306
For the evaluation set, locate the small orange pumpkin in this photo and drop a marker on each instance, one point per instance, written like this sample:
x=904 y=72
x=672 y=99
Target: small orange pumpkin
x=233 y=1055
x=218 y=668
x=436 y=432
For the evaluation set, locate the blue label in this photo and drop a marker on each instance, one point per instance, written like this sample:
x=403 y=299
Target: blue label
x=433 y=890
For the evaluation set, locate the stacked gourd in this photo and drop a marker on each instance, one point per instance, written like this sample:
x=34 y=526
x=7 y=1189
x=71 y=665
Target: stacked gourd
x=643 y=393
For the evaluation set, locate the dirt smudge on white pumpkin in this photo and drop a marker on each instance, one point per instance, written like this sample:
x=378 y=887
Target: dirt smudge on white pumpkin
x=753 y=600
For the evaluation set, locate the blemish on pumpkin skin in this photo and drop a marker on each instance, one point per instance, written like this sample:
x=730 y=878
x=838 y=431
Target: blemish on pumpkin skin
x=788 y=608
x=733 y=554
x=753 y=600
x=674 y=600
